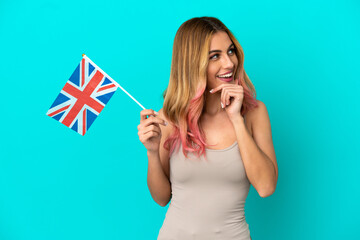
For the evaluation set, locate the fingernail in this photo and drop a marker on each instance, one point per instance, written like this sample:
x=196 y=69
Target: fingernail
x=166 y=123
x=222 y=105
x=211 y=90
x=156 y=113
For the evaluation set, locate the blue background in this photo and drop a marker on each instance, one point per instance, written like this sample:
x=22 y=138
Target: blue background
x=303 y=58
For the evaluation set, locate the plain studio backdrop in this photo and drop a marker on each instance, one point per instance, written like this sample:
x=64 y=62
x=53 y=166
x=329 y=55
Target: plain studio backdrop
x=303 y=58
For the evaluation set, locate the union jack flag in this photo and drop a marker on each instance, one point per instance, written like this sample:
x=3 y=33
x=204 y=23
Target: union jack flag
x=83 y=97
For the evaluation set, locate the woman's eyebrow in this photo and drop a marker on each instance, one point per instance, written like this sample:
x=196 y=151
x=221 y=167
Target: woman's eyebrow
x=220 y=50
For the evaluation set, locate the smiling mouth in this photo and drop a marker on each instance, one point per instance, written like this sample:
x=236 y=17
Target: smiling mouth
x=226 y=79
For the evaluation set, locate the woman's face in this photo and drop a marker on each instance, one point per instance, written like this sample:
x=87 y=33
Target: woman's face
x=222 y=60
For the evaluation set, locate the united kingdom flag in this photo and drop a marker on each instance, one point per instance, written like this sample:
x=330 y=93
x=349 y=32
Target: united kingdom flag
x=83 y=97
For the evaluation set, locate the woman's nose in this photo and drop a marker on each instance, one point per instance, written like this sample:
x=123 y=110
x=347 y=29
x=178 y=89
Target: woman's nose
x=227 y=62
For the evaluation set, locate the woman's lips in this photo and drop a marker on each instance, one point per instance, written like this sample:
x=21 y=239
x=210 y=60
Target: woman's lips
x=226 y=79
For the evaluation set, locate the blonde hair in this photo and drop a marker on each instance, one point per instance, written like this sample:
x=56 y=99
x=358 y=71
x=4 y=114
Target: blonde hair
x=184 y=97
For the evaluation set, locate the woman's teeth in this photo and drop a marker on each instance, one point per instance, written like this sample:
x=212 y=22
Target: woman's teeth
x=226 y=75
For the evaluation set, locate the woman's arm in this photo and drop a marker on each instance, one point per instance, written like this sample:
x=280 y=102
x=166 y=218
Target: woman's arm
x=158 y=183
x=158 y=168
x=258 y=154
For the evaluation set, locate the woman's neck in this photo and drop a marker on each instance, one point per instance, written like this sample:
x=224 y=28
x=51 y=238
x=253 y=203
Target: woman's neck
x=213 y=104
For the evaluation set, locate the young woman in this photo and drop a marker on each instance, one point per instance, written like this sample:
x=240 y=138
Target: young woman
x=211 y=139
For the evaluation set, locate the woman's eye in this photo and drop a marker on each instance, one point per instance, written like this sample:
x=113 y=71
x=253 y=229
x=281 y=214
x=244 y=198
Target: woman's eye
x=232 y=50
x=213 y=56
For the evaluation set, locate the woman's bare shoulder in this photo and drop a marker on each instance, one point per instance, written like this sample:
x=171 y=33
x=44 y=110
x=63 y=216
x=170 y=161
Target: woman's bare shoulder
x=251 y=114
x=168 y=129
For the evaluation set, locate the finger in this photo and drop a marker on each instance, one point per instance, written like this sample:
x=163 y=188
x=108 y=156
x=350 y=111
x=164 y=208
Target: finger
x=229 y=95
x=225 y=96
x=240 y=95
x=149 y=129
x=144 y=113
x=157 y=121
x=222 y=98
x=222 y=87
x=148 y=135
x=218 y=88
x=154 y=120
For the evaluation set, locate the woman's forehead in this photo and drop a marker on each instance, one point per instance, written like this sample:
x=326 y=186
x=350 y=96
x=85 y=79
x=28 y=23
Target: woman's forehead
x=220 y=40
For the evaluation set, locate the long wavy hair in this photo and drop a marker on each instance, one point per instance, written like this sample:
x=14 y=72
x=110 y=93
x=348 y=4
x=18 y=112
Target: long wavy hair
x=184 y=97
